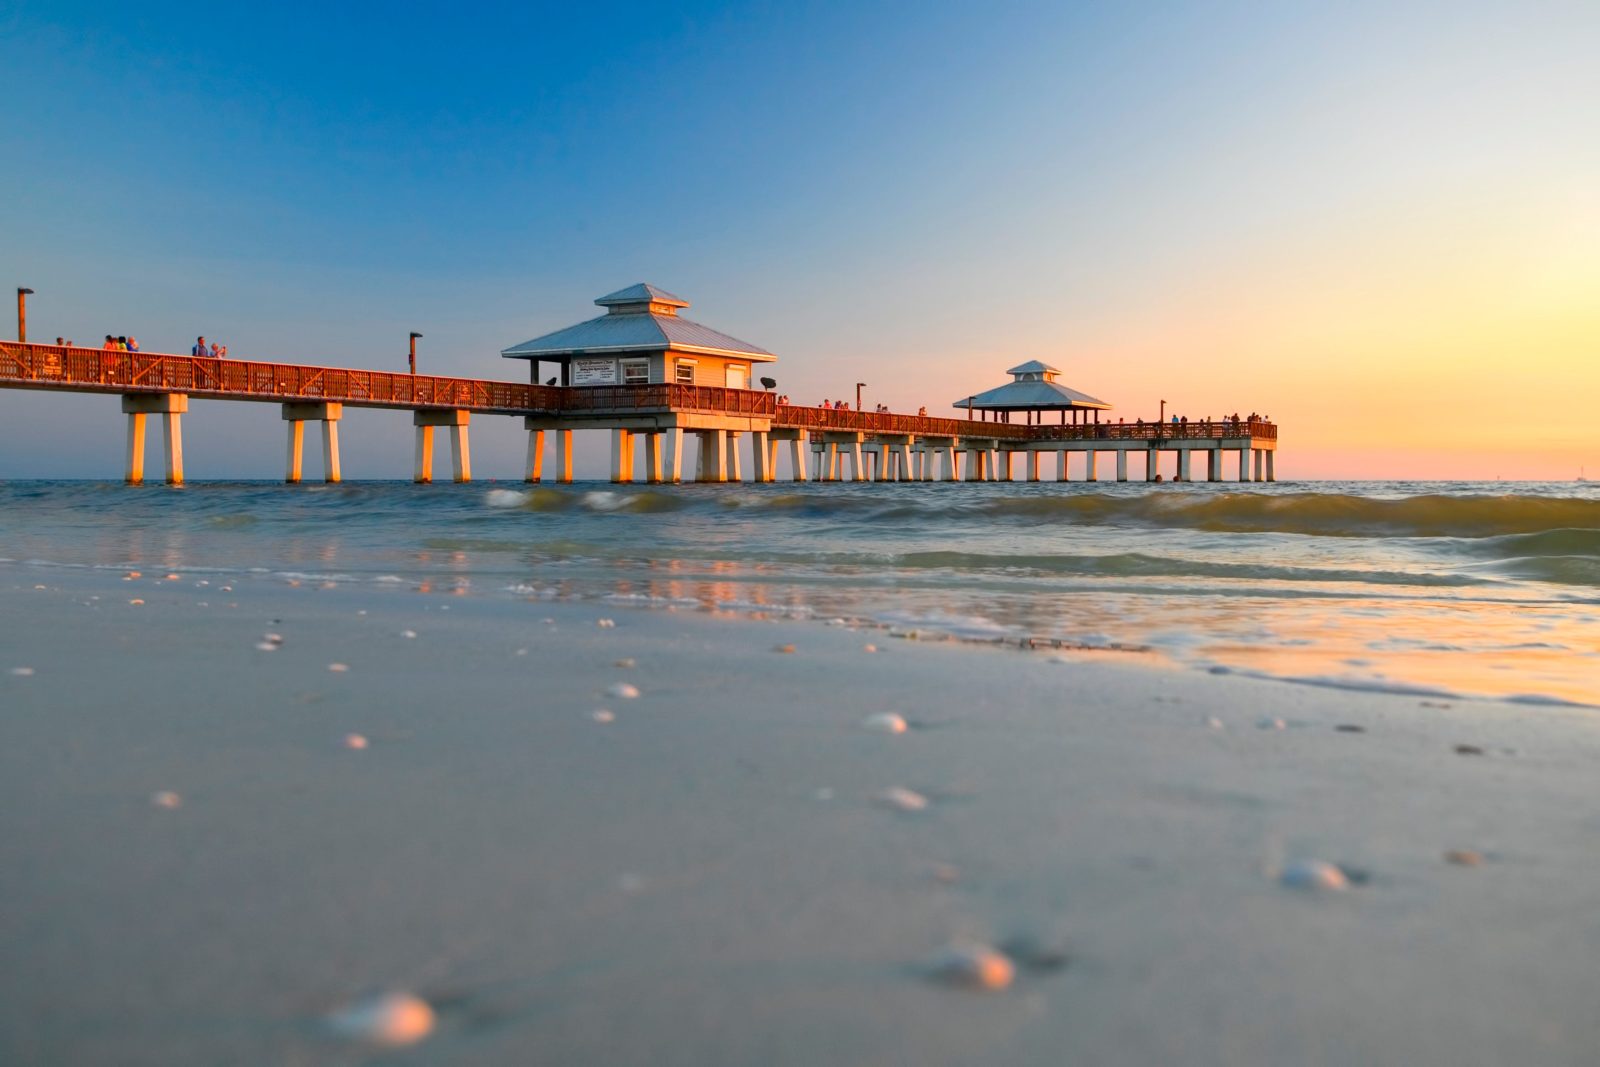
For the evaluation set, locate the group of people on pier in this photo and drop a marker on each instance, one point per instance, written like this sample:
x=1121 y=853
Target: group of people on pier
x=203 y=351
x=120 y=343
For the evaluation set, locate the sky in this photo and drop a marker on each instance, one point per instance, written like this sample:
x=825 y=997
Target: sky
x=1378 y=223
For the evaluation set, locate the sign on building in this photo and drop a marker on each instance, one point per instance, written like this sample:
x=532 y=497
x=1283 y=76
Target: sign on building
x=594 y=372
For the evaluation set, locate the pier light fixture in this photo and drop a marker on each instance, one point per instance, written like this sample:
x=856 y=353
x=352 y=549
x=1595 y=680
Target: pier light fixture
x=769 y=384
x=22 y=314
x=859 y=386
x=414 y=336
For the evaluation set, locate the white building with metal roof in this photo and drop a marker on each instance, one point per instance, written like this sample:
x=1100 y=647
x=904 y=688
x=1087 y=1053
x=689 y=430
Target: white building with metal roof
x=641 y=339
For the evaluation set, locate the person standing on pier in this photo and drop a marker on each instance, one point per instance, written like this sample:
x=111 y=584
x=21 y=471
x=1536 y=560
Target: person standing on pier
x=200 y=349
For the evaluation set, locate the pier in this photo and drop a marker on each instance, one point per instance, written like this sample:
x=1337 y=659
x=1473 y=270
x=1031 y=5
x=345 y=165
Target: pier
x=640 y=372
x=822 y=443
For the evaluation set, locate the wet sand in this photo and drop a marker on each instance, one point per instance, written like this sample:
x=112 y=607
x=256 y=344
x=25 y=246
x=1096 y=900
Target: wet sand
x=713 y=875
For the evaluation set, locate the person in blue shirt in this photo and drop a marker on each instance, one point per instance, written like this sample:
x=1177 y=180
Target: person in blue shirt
x=200 y=348
x=133 y=344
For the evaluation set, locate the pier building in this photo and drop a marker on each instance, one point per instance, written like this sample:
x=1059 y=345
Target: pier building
x=643 y=370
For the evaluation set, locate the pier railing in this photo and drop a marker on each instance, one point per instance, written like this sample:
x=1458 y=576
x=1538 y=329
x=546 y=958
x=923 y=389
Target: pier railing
x=100 y=370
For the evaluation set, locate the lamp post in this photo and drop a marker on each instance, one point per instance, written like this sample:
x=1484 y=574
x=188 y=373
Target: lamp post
x=414 y=336
x=22 y=314
x=859 y=386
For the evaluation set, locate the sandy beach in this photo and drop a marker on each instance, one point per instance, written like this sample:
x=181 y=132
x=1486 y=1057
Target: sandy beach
x=714 y=876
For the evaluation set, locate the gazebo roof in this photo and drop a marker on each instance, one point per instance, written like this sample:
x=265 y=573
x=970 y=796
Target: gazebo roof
x=640 y=318
x=1033 y=388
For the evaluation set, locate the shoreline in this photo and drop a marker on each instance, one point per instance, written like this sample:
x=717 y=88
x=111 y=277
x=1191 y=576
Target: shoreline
x=712 y=876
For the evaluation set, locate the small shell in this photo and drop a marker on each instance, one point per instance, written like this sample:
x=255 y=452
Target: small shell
x=266 y=646
x=606 y=624
x=902 y=799
x=272 y=639
x=1214 y=723
x=1314 y=875
x=356 y=742
x=166 y=799
x=22 y=672
x=1464 y=857
x=408 y=634
x=626 y=661
x=602 y=715
x=389 y=1019
x=338 y=668
x=869 y=648
x=972 y=966
x=1270 y=723
x=885 y=722
x=784 y=649
x=136 y=600
x=622 y=691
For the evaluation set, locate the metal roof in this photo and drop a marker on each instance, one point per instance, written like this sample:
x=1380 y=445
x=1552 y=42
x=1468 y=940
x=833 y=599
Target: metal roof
x=1031 y=396
x=632 y=325
x=643 y=293
x=1033 y=366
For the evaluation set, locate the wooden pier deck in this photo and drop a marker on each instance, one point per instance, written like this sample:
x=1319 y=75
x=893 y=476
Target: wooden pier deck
x=901 y=447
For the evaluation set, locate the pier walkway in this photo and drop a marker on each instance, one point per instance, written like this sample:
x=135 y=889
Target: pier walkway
x=822 y=441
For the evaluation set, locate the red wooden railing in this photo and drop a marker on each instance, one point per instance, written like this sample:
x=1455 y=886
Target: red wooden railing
x=96 y=370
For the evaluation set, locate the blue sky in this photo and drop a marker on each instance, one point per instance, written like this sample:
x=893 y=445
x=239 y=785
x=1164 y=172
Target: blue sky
x=918 y=195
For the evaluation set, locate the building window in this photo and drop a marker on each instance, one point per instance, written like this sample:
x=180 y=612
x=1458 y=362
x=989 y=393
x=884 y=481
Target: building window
x=635 y=372
x=685 y=372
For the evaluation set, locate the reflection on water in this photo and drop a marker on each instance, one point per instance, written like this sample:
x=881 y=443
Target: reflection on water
x=1453 y=588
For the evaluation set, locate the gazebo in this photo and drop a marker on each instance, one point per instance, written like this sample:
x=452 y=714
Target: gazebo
x=1033 y=390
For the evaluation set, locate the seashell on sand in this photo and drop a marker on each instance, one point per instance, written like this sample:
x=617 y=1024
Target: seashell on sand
x=1270 y=723
x=606 y=624
x=356 y=742
x=392 y=1020
x=1214 y=723
x=622 y=691
x=869 y=648
x=408 y=634
x=1315 y=876
x=971 y=965
x=136 y=601
x=625 y=662
x=1464 y=857
x=339 y=668
x=602 y=715
x=902 y=799
x=885 y=722
x=22 y=672
x=166 y=799
x=783 y=649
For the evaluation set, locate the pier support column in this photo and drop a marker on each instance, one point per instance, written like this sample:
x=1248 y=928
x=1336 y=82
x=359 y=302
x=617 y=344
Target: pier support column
x=902 y=453
x=460 y=444
x=951 y=460
x=170 y=406
x=1033 y=465
x=297 y=442
x=1271 y=473
x=761 y=453
x=732 y=471
x=422 y=466
x=1214 y=465
x=1122 y=464
x=857 y=469
x=652 y=458
x=797 y=455
x=1005 y=458
x=1063 y=466
x=1183 y=464
x=297 y=414
x=674 y=456
x=1244 y=465
x=563 y=456
x=974 y=465
x=1152 y=464
x=713 y=456
x=533 y=468
x=621 y=456
x=1259 y=463
x=1088 y=472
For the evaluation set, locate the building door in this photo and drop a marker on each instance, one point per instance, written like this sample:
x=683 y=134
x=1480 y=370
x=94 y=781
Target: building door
x=738 y=376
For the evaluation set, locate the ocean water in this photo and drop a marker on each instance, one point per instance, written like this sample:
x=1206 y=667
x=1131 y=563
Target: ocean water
x=1447 y=589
